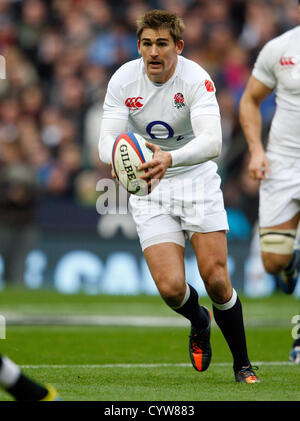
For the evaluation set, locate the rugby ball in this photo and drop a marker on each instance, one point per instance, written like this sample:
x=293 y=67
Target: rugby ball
x=129 y=152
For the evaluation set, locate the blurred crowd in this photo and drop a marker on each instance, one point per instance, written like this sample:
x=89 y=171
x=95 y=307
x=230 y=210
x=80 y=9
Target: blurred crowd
x=59 y=57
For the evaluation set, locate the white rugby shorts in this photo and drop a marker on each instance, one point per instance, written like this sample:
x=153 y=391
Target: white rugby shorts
x=279 y=194
x=187 y=202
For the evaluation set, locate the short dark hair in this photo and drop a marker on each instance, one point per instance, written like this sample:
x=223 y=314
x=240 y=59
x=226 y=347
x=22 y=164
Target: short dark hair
x=156 y=19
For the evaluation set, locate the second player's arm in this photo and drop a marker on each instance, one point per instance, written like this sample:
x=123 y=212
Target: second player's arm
x=251 y=122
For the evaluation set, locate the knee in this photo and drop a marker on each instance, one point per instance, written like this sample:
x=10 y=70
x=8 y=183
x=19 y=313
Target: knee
x=172 y=290
x=275 y=263
x=217 y=283
x=213 y=272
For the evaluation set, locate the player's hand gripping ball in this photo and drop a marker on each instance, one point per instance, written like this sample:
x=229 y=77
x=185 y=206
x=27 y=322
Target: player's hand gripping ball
x=128 y=153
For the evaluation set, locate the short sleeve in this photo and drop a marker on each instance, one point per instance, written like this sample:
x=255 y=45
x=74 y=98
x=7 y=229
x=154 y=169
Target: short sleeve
x=204 y=100
x=264 y=66
x=114 y=105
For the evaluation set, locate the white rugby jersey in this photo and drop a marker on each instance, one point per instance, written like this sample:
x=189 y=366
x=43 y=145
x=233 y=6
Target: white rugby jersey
x=278 y=67
x=161 y=113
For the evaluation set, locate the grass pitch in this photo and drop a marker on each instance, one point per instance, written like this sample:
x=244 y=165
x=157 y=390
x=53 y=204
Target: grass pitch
x=137 y=363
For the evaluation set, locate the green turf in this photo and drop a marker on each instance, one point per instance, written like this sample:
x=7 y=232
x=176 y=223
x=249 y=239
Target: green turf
x=278 y=307
x=52 y=346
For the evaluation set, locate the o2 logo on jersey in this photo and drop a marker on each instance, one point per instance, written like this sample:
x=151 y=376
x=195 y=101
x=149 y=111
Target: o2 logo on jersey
x=134 y=103
x=169 y=129
x=178 y=101
x=159 y=123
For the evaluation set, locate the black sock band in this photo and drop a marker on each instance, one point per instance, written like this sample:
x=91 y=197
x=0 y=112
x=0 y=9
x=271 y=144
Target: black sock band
x=193 y=311
x=231 y=323
x=27 y=390
x=17 y=384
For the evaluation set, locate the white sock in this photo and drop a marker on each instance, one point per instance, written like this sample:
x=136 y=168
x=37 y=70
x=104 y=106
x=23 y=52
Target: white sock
x=185 y=298
x=9 y=373
x=229 y=304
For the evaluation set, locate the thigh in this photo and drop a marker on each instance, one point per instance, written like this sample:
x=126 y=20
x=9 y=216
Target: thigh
x=166 y=263
x=211 y=253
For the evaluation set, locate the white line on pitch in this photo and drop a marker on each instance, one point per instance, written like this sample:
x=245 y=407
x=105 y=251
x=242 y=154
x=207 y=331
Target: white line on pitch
x=260 y=363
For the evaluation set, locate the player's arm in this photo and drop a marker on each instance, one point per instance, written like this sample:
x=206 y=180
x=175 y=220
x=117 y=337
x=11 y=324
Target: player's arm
x=110 y=129
x=114 y=120
x=251 y=122
x=205 y=146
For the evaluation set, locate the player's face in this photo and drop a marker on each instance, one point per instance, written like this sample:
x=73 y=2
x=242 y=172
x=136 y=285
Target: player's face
x=159 y=53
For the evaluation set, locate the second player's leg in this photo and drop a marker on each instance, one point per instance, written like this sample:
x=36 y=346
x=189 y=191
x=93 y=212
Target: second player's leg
x=277 y=244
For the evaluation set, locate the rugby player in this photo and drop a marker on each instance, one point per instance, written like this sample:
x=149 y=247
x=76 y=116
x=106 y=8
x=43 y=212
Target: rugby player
x=277 y=68
x=171 y=102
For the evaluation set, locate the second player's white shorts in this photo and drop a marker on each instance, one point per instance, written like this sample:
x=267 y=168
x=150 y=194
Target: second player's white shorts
x=185 y=203
x=279 y=195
